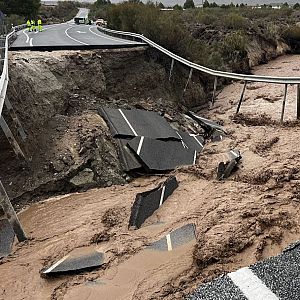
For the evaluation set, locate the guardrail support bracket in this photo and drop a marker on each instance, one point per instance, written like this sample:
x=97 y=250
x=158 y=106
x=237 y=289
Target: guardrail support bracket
x=15 y=119
x=214 y=91
x=11 y=214
x=11 y=138
x=171 y=69
x=283 y=103
x=190 y=77
x=242 y=97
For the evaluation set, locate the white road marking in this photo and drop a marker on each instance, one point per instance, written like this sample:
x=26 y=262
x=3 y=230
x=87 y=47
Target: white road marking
x=140 y=146
x=128 y=123
x=66 y=32
x=194 y=136
x=106 y=37
x=169 y=242
x=195 y=156
x=233 y=153
x=56 y=264
x=27 y=36
x=30 y=43
x=251 y=286
x=162 y=195
x=182 y=142
x=80 y=31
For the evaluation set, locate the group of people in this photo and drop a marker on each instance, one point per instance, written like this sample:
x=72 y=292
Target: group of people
x=34 y=26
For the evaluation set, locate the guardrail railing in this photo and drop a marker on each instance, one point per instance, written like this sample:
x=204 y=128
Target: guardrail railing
x=243 y=77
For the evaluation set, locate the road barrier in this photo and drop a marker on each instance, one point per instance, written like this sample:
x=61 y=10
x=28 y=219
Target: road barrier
x=4 y=200
x=215 y=73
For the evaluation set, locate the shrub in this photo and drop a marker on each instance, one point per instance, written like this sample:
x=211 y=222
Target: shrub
x=235 y=21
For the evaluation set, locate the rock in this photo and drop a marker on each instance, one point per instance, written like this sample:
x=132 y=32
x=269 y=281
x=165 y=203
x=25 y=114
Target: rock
x=85 y=177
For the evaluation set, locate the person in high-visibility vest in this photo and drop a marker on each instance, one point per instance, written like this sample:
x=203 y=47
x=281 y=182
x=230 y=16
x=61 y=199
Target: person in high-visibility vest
x=40 y=27
x=32 y=25
x=29 y=25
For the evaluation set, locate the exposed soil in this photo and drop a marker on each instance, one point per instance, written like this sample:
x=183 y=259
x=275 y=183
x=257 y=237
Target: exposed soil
x=57 y=96
x=252 y=215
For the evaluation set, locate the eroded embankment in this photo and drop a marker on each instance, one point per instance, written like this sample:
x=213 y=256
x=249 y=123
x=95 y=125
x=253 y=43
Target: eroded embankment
x=56 y=96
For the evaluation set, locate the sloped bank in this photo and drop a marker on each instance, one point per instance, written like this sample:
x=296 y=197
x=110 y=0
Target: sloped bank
x=56 y=96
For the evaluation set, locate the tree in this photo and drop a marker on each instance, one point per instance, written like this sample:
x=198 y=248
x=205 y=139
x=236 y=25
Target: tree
x=205 y=4
x=102 y=2
x=177 y=7
x=296 y=6
x=26 y=8
x=160 y=5
x=188 y=4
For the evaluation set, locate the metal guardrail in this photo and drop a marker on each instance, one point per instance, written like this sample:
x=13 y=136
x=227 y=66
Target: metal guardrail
x=4 y=62
x=4 y=75
x=248 y=78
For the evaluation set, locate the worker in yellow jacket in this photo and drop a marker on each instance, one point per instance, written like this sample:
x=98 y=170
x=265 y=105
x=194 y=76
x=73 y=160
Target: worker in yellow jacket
x=32 y=25
x=28 y=25
x=40 y=27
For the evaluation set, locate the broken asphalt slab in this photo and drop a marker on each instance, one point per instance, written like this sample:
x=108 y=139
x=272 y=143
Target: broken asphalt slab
x=78 y=260
x=175 y=239
x=156 y=155
x=225 y=168
x=148 y=202
x=125 y=123
x=275 y=278
x=7 y=236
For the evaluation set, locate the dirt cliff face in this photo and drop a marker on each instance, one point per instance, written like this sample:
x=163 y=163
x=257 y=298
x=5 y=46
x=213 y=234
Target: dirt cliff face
x=56 y=96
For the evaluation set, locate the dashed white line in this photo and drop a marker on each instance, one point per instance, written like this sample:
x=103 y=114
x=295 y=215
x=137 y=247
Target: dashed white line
x=140 y=146
x=128 y=123
x=66 y=32
x=162 y=195
x=195 y=156
x=56 y=264
x=169 y=242
x=251 y=286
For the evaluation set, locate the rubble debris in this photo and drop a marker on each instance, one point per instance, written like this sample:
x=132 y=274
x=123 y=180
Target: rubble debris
x=212 y=129
x=127 y=158
x=175 y=238
x=77 y=260
x=7 y=236
x=147 y=203
x=274 y=278
x=226 y=168
x=125 y=123
x=148 y=143
x=192 y=141
x=156 y=155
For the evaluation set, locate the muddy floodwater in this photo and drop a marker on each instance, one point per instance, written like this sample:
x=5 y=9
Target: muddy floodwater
x=252 y=215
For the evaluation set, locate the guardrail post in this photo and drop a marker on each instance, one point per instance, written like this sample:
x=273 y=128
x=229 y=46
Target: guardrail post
x=283 y=103
x=298 y=101
x=11 y=138
x=171 y=70
x=15 y=119
x=242 y=97
x=214 y=91
x=11 y=214
x=190 y=76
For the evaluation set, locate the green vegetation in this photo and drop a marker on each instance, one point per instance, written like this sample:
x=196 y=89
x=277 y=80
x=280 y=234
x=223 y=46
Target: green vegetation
x=23 y=8
x=64 y=11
